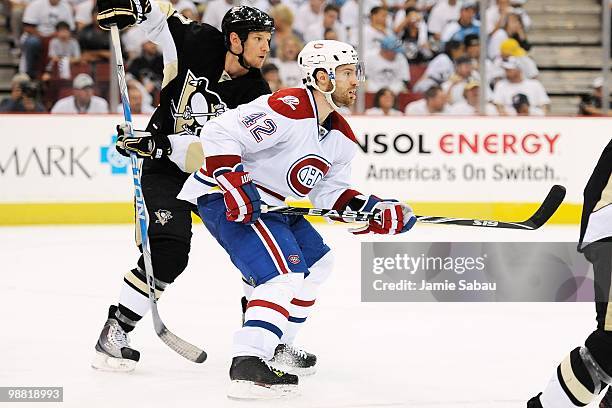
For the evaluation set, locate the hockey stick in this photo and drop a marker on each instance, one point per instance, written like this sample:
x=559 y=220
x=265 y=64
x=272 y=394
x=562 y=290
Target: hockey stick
x=548 y=207
x=185 y=349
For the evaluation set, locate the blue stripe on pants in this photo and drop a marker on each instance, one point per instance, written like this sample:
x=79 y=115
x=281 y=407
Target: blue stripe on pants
x=264 y=325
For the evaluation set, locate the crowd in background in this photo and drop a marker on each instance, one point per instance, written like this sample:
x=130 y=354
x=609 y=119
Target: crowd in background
x=421 y=56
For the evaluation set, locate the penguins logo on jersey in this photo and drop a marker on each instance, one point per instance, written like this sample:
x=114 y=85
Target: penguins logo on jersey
x=196 y=106
x=305 y=173
x=163 y=216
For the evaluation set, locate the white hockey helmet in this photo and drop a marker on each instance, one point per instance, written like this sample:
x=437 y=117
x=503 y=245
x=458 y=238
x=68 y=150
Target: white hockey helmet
x=327 y=55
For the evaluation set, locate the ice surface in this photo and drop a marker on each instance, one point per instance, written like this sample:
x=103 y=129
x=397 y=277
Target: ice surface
x=57 y=283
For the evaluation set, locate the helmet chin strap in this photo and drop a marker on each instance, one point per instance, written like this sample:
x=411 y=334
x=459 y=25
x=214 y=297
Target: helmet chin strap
x=328 y=94
x=241 y=60
x=240 y=56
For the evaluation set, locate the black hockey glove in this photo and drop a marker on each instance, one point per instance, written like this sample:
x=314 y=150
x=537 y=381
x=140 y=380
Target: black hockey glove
x=124 y=13
x=144 y=144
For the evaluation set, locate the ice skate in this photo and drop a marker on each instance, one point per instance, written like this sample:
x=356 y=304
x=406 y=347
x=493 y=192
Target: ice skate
x=254 y=379
x=113 y=351
x=535 y=402
x=293 y=360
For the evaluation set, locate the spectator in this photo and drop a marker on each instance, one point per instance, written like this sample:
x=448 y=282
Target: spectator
x=496 y=15
x=394 y=6
x=521 y=105
x=286 y=61
x=387 y=67
x=498 y=12
x=132 y=40
x=215 y=10
x=384 y=104
x=441 y=14
x=505 y=90
x=511 y=48
x=39 y=20
x=283 y=27
x=186 y=8
x=15 y=18
x=471 y=42
x=441 y=67
x=465 y=25
x=330 y=34
x=329 y=21
x=265 y=5
x=82 y=100
x=82 y=14
x=349 y=15
x=412 y=30
x=136 y=102
x=517 y=8
x=149 y=67
x=310 y=13
x=403 y=9
x=145 y=93
x=472 y=50
x=513 y=28
x=590 y=105
x=434 y=103
x=294 y=5
x=470 y=104
x=425 y=6
x=376 y=30
x=94 y=42
x=23 y=97
x=454 y=86
x=271 y=75
x=63 y=50
x=41 y=16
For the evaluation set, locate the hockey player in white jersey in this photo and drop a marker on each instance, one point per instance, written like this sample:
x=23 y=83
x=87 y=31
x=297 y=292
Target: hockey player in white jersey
x=291 y=143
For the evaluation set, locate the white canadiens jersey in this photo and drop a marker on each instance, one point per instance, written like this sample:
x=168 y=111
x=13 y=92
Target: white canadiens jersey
x=283 y=148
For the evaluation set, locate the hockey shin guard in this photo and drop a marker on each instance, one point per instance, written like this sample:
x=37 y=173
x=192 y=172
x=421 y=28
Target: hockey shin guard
x=266 y=316
x=134 y=299
x=302 y=304
x=578 y=381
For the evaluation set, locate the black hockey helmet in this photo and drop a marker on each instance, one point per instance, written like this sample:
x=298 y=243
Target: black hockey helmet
x=242 y=20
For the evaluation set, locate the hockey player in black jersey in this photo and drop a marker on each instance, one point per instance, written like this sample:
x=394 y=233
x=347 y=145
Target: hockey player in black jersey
x=206 y=71
x=587 y=370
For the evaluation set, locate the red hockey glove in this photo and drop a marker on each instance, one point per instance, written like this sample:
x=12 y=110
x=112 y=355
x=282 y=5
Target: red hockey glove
x=395 y=218
x=240 y=195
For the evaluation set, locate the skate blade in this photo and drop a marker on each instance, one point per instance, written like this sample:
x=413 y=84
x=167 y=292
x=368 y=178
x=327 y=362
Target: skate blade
x=104 y=362
x=248 y=390
x=299 y=371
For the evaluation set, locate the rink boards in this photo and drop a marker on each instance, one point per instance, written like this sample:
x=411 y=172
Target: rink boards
x=63 y=169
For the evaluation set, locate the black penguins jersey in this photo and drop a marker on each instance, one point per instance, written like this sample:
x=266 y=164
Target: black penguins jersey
x=596 y=223
x=195 y=87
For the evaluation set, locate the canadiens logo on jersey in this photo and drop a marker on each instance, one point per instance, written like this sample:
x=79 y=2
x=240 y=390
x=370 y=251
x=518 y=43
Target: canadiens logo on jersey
x=196 y=106
x=305 y=173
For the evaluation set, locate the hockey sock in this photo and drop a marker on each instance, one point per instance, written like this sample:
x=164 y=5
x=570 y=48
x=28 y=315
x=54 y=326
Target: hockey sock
x=302 y=304
x=266 y=316
x=577 y=382
x=299 y=310
x=134 y=298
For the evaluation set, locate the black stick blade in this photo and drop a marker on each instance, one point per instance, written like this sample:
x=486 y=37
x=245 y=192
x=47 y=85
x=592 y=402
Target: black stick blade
x=549 y=206
x=182 y=347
